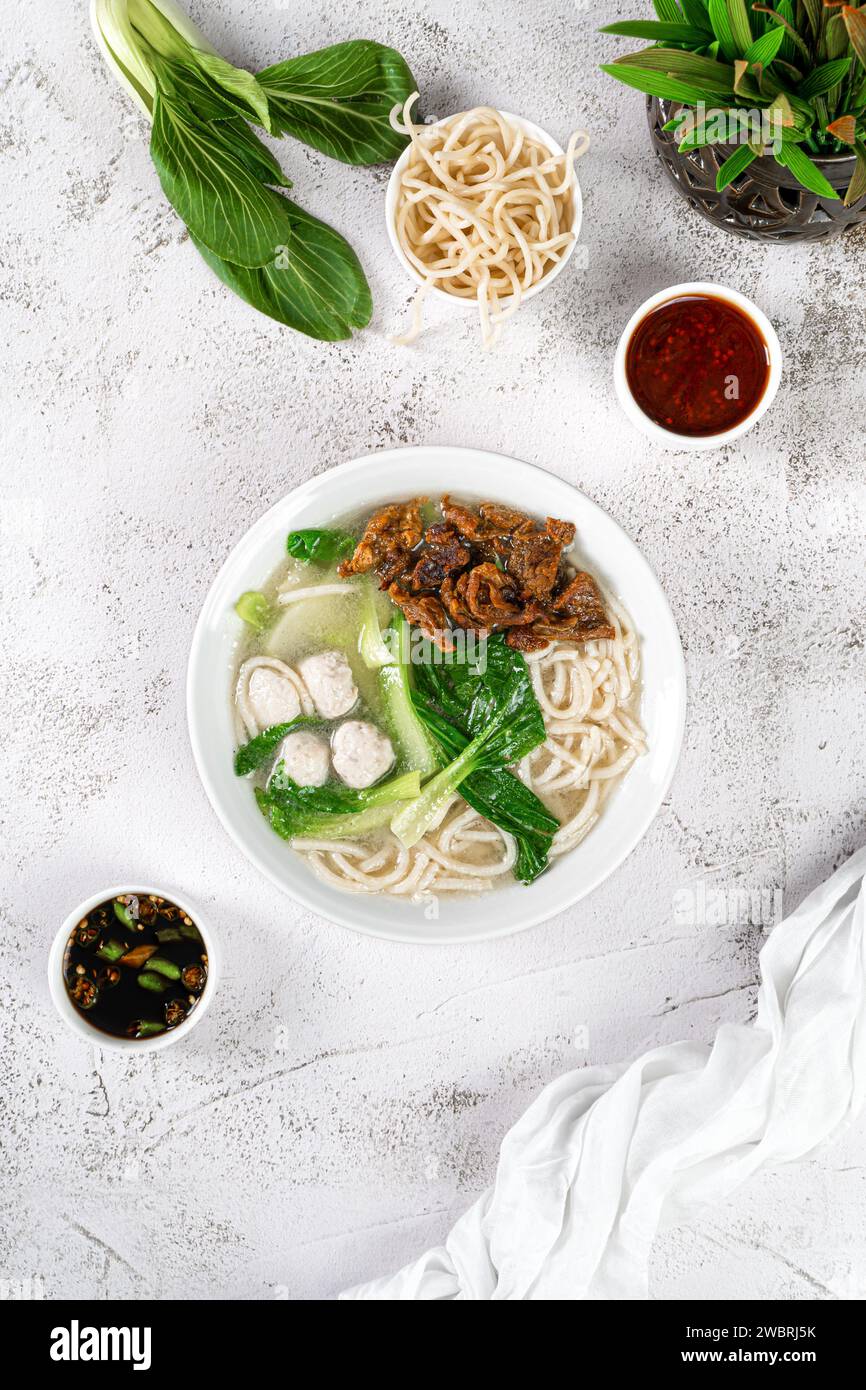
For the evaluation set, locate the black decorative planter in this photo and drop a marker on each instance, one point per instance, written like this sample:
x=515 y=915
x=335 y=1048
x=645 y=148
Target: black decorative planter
x=764 y=203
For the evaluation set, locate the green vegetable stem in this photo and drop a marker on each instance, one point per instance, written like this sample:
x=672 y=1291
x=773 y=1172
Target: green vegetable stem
x=255 y=610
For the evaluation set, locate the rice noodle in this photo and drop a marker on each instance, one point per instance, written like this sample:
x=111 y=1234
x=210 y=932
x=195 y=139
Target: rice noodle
x=484 y=210
x=588 y=695
x=315 y=591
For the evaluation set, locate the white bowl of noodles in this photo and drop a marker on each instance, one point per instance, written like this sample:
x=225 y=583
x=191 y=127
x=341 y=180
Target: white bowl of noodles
x=624 y=806
x=529 y=270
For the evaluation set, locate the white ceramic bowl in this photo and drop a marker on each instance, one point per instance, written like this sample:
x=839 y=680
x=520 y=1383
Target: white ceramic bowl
x=78 y=1023
x=668 y=438
x=361 y=486
x=470 y=304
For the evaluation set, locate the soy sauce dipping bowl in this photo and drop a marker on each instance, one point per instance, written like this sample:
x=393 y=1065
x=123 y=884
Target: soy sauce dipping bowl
x=668 y=438
x=76 y=1020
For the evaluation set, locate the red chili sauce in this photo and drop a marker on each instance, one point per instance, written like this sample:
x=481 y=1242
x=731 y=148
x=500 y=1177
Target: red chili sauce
x=697 y=365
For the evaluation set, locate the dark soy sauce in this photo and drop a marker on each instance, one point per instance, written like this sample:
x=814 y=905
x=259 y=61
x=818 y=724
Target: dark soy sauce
x=135 y=966
x=697 y=365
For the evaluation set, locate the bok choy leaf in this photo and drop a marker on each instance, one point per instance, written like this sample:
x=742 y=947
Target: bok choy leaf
x=498 y=714
x=332 y=812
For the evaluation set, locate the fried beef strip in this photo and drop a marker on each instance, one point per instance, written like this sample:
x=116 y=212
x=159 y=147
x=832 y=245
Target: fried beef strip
x=493 y=598
x=489 y=530
x=578 y=613
x=505 y=521
x=534 y=562
x=391 y=534
x=453 y=596
x=523 y=639
x=425 y=612
x=562 y=531
x=443 y=555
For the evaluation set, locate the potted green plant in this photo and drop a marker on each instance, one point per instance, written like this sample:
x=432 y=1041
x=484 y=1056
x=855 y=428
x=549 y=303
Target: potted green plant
x=757 y=111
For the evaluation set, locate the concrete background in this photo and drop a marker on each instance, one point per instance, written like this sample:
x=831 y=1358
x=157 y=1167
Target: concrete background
x=344 y=1100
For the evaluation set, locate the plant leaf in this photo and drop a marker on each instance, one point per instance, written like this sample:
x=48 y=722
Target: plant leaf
x=656 y=31
x=741 y=29
x=857 y=186
x=721 y=24
x=734 y=165
x=805 y=170
x=844 y=129
x=184 y=83
x=314 y=284
x=704 y=74
x=766 y=48
x=813 y=9
x=500 y=796
x=781 y=113
x=855 y=23
x=339 y=100
x=224 y=206
x=238 y=83
x=315 y=546
x=823 y=78
x=793 y=42
x=657 y=84
x=254 y=155
x=668 y=10
x=695 y=12
x=836 y=37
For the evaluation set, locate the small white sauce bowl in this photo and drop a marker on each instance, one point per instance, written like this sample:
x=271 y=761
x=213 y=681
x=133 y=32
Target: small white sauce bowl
x=393 y=189
x=76 y=1020
x=668 y=438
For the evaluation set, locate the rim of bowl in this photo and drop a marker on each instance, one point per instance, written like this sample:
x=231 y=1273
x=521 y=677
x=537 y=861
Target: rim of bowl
x=670 y=438
x=73 y=1018
x=392 y=190
x=299 y=890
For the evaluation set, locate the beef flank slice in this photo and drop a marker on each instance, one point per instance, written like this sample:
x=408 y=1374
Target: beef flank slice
x=391 y=534
x=453 y=596
x=443 y=555
x=425 y=612
x=493 y=597
x=534 y=562
x=578 y=613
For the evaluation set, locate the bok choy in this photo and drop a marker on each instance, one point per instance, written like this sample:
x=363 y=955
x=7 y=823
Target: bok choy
x=332 y=812
x=390 y=661
x=221 y=179
x=484 y=721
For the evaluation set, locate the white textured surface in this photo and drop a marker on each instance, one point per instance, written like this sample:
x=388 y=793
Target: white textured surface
x=343 y=1101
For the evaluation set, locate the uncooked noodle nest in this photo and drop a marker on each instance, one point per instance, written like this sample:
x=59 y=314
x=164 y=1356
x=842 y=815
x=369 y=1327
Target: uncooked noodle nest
x=484 y=210
x=588 y=695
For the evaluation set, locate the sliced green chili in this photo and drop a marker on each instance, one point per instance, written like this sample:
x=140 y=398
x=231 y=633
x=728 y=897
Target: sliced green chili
x=145 y=1028
x=166 y=934
x=111 y=950
x=165 y=967
x=148 y=979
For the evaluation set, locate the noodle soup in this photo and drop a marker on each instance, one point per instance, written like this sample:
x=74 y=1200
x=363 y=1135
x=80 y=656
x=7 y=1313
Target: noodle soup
x=435 y=698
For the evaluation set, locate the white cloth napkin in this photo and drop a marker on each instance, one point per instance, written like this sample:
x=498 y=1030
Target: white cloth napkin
x=608 y=1156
